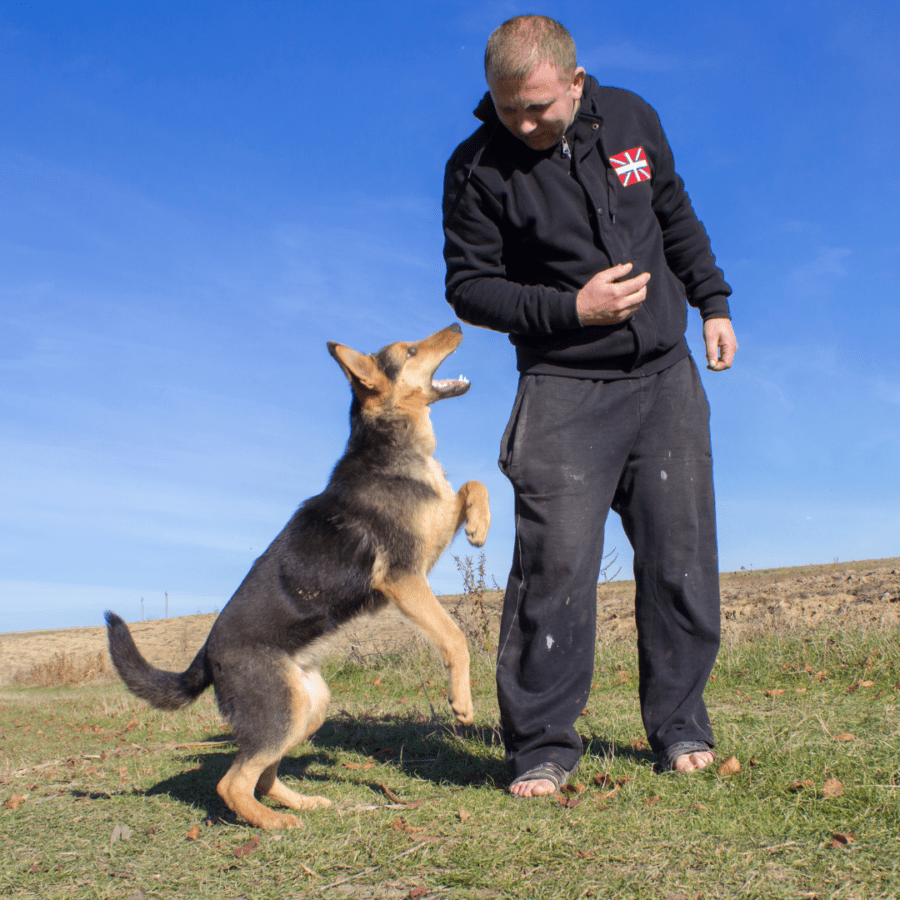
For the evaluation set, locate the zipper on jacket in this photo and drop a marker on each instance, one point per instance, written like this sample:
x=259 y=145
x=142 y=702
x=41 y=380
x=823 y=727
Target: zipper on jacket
x=566 y=152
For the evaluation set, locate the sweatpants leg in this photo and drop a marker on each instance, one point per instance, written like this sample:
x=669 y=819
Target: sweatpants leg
x=572 y=448
x=665 y=499
x=564 y=457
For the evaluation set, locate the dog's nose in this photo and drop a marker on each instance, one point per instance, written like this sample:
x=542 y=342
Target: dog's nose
x=455 y=327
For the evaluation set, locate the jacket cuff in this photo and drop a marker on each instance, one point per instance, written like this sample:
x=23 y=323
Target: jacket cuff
x=714 y=308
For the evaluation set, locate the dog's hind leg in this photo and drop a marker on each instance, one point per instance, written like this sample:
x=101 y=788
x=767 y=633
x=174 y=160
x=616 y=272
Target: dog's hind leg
x=269 y=785
x=415 y=599
x=264 y=741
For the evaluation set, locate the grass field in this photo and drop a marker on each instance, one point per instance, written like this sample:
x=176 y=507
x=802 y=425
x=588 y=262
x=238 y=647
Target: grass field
x=103 y=797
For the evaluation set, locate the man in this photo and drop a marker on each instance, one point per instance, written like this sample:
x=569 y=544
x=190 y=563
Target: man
x=567 y=227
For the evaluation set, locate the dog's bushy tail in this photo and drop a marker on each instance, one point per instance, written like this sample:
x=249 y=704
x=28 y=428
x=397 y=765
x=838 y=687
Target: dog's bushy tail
x=164 y=690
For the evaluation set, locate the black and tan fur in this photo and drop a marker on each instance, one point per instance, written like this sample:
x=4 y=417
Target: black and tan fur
x=372 y=536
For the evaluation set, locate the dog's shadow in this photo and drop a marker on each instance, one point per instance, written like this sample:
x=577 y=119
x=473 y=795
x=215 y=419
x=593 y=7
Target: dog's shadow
x=428 y=749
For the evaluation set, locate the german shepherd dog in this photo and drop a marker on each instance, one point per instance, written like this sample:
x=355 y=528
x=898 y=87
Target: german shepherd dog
x=371 y=537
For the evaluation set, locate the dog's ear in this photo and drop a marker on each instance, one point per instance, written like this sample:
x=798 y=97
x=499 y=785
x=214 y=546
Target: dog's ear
x=360 y=369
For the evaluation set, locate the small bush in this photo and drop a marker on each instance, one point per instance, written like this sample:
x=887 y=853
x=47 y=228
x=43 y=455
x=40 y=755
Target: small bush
x=66 y=669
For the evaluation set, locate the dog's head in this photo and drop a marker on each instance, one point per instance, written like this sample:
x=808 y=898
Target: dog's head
x=401 y=375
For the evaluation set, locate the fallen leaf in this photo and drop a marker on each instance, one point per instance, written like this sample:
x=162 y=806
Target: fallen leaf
x=651 y=801
x=774 y=692
x=120 y=833
x=602 y=780
x=464 y=816
x=583 y=854
x=194 y=833
x=567 y=802
x=844 y=738
x=14 y=802
x=389 y=793
x=638 y=744
x=577 y=788
x=832 y=788
x=246 y=849
x=867 y=684
x=795 y=786
x=839 y=839
x=730 y=766
x=416 y=892
x=377 y=681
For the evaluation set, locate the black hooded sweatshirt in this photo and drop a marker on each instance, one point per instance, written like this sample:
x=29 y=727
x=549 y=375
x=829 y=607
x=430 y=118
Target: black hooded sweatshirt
x=526 y=229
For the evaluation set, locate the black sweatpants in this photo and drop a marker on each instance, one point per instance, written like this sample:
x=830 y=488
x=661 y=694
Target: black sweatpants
x=574 y=449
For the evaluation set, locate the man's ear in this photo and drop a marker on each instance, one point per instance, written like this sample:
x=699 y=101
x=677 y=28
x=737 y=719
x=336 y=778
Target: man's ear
x=577 y=87
x=359 y=368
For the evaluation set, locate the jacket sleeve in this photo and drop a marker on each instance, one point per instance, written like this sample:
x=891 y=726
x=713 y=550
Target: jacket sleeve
x=477 y=285
x=685 y=242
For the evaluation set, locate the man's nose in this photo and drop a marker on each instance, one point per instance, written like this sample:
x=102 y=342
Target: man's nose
x=527 y=125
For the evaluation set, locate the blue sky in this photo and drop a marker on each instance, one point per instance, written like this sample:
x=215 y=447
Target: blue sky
x=196 y=196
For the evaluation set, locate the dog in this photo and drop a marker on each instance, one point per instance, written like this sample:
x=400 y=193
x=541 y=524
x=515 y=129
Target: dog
x=369 y=538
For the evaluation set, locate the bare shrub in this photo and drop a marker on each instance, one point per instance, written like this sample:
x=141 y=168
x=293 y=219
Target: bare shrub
x=470 y=611
x=66 y=669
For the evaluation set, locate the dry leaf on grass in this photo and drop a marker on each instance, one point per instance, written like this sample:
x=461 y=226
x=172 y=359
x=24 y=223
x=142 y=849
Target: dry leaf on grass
x=120 y=833
x=194 y=834
x=842 y=839
x=844 y=738
x=832 y=788
x=464 y=816
x=247 y=849
x=730 y=766
x=798 y=785
x=774 y=692
x=389 y=793
x=14 y=802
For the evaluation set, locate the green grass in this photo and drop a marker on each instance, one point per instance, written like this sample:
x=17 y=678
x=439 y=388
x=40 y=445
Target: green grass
x=109 y=790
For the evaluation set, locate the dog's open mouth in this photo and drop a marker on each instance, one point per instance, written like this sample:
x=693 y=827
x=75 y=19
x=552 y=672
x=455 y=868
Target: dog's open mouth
x=451 y=387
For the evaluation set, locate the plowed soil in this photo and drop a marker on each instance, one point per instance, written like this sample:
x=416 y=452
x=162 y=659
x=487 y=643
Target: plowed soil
x=863 y=594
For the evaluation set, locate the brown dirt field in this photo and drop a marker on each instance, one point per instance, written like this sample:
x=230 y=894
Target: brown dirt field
x=840 y=595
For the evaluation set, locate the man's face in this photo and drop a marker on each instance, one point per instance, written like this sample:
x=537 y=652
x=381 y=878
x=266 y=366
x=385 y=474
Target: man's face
x=538 y=109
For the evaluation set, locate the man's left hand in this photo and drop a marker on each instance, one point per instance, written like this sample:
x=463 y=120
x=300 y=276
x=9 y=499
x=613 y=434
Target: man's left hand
x=721 y=344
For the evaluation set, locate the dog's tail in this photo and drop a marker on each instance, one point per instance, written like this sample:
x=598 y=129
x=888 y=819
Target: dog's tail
x=164 y=690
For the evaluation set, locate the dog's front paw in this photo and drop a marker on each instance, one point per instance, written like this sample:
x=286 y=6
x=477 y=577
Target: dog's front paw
x=477 y=530
x=478 y=513
x=464 y=712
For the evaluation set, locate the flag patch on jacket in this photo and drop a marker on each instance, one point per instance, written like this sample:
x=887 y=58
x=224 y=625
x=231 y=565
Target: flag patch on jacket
x=631 y=166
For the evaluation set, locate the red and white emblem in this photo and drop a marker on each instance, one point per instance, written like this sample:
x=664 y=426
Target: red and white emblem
x=631 y=166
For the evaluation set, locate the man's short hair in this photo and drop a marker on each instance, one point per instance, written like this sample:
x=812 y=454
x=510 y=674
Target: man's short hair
x=522 y=43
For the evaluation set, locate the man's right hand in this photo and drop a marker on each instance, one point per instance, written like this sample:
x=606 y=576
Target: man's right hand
x=605 y=301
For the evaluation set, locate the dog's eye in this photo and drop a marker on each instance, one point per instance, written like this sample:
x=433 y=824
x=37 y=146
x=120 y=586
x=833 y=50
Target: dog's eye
x=412 y=351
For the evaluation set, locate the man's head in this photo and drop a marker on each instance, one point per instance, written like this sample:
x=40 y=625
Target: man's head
x=530 y=67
